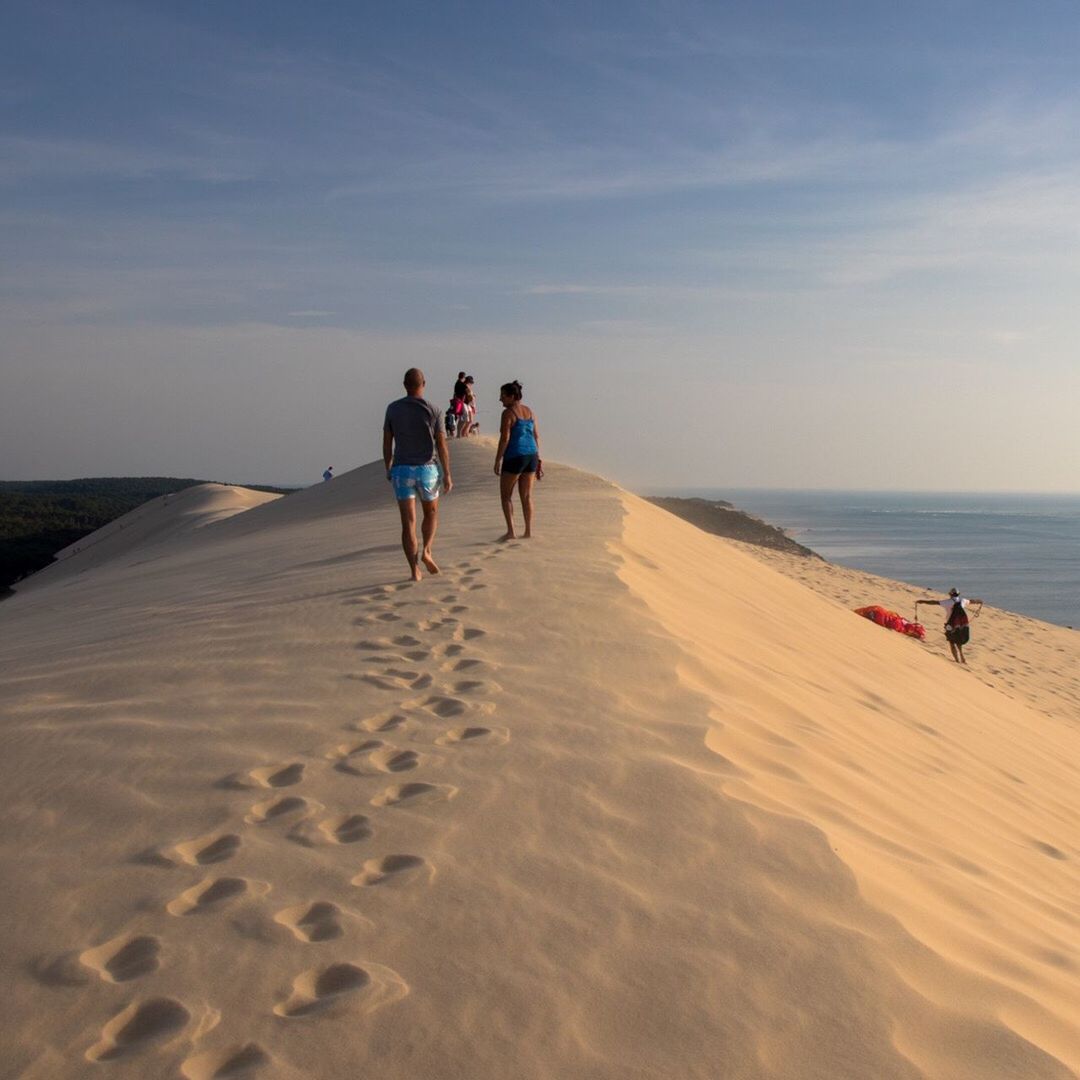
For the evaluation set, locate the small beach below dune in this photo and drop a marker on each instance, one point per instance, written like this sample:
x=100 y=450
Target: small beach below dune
x=1019 y=552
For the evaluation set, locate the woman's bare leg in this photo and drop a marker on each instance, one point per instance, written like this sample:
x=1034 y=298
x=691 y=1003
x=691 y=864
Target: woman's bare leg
x=506 y=493
x=525 y=491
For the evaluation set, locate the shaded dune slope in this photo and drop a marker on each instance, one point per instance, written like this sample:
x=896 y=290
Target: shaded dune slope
x=586 y=806
x=168 y=518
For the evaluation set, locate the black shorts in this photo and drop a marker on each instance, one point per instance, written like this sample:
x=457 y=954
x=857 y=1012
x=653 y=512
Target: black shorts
x=957 y=635
x=523 y=463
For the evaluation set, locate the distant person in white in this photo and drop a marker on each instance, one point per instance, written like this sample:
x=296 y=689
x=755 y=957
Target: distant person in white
x=329 y=474
x=957 y=627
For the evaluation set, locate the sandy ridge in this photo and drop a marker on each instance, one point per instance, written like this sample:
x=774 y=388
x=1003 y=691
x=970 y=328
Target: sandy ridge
x=273 y=813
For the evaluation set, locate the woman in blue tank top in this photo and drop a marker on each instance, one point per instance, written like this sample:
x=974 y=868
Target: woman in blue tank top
x=517 y=460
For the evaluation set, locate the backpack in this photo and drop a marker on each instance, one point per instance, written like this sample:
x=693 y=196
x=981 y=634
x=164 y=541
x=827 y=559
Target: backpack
x=958 y=616
x=451 y=421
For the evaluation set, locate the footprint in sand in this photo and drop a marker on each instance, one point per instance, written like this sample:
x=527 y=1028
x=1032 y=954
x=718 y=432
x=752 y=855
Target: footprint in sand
x=289 y=808
x=392 y=868
x=468 y=665
x=459 y=735
x=445 y=706
x=416 y=655
x=1049 y=849
x=380 y=723
x=478 y=585
x=343 y=984
x=312 y=922
x=407 y=641
x=275 y=776
x=373 y=645
x=453 y=650
x=402 y=794
x=468 y=633
x=153 y=856
x=449 y=598
x=385 y=682
x=344 y=750
x=388 y=616
x=236 y=1062
x=404 y=674
x=211 y=894
x=211 y=848
x=140 y=1024
x=346 y=828
x=458 y=609
x=124 y=958
x=380 y=681
x=472 y=686
x=390 y=759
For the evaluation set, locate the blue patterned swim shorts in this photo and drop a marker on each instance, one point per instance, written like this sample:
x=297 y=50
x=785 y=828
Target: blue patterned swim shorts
x=412 y=480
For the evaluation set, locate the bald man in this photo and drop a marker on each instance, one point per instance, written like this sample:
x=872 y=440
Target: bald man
x=412 y=436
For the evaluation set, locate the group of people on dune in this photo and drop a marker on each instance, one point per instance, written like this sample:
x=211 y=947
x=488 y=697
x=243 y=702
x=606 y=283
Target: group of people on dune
x=461 y=415
x=417 y=459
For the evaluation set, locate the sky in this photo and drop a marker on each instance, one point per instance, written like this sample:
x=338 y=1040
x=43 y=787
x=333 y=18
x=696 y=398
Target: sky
x=721 y=244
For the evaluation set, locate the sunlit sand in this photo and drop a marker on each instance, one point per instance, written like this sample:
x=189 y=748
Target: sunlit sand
x=629 y=800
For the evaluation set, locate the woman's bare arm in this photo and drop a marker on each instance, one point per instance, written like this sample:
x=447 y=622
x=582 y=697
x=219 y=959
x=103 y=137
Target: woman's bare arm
x=504 y=437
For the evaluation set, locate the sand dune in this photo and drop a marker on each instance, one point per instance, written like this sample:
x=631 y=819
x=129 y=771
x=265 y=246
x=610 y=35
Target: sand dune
x=159 y=521
x=1023 y=658
x=622 y=801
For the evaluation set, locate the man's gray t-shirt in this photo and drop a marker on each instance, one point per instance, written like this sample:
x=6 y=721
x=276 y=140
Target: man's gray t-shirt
x=414 y=423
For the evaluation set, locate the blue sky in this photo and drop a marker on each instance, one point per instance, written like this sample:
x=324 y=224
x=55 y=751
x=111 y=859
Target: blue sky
x=763 y=246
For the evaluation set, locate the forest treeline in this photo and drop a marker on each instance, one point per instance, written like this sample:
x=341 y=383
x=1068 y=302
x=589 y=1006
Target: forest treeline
x=40 y=517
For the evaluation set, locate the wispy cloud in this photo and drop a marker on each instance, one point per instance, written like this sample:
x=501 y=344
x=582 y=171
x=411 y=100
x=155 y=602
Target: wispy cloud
x=1018 y=226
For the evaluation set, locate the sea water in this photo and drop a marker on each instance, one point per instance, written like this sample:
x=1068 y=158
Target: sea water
x=1019 y=552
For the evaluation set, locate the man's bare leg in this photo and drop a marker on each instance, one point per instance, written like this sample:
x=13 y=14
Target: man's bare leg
x=506 y=493
x=427 y=530
x=525 y=486
x=407 y=507
x=952 y=649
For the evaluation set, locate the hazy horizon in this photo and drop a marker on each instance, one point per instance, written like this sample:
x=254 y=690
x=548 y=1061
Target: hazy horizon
x=711 y=491
x=761 y=247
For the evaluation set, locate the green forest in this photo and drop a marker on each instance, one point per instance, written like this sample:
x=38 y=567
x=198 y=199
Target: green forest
x=40 y=517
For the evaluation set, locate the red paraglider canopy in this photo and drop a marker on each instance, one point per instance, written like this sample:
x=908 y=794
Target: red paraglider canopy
x=890 y=619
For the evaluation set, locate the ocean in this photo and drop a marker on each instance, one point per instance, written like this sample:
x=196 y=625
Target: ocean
x=1019 y=552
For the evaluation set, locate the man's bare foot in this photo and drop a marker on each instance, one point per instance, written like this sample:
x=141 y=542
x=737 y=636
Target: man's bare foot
x=429 y=562
x=507 y=536
x=416 y=575
x=527 y=535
